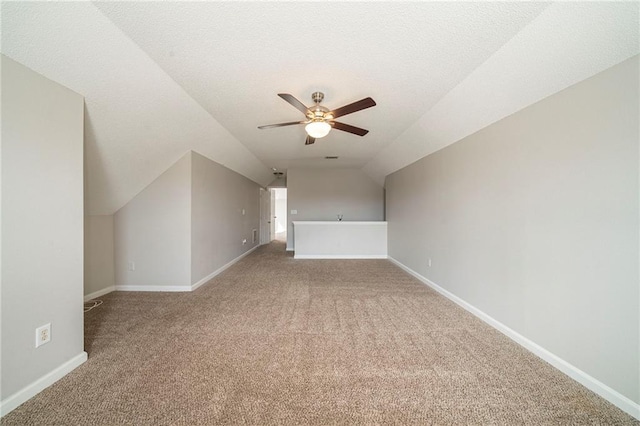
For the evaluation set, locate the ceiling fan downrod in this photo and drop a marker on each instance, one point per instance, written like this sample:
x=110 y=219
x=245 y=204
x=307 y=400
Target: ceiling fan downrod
x=317 y=97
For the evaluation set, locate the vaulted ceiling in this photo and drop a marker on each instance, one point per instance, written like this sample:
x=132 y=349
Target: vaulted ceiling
x=162 y=78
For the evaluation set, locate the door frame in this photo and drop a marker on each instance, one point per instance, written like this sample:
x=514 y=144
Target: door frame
x=265 y=216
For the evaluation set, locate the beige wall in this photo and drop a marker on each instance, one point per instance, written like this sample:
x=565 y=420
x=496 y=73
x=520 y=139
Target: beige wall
x=99 y=266
x=185 y=226
x=42 y=229
x=534 y=221
x=153 y=231
x=321 y=194
x=218 y=225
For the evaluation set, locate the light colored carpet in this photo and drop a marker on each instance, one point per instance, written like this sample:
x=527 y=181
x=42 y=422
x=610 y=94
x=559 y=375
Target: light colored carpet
x=275 y=340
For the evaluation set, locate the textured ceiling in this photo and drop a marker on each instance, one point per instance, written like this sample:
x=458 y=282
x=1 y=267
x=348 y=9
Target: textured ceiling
x=161 y=78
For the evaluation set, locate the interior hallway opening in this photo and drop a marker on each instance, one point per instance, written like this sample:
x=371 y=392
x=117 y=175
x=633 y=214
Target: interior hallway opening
x=280 y=216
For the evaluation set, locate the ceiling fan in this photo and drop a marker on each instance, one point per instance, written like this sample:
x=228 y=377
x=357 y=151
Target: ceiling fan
x=320 y=120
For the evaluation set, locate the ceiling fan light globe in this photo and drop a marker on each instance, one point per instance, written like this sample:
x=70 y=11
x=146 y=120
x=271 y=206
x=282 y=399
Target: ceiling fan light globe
x=318 y=129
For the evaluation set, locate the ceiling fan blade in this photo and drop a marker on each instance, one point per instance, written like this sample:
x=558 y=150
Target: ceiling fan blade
x=351 y=108
x=293 y=101
x=348 y=128
x=291 y=123
x=310 y=140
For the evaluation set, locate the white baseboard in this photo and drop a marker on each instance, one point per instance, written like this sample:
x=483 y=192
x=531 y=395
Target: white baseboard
x=179 y=288
x=99 y=293
x=289 y=249
x=611 y=395
x=167 y=288
x=340 y=256
x=222 y=268
x=31 y=390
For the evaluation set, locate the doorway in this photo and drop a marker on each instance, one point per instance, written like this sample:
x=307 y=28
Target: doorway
x=273 y=215
x=280 y=213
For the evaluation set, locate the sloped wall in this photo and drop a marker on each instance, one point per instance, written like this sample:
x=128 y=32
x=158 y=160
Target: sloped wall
x=152 y=234
x=185 y=226
x=534 y=221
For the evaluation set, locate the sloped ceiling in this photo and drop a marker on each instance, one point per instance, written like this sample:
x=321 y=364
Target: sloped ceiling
x=162 y=78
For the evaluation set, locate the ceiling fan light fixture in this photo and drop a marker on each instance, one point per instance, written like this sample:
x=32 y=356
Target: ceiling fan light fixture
x=318 y=129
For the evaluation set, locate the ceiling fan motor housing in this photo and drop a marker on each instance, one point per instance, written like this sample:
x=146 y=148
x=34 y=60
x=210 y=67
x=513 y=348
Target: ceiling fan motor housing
x=318 y=112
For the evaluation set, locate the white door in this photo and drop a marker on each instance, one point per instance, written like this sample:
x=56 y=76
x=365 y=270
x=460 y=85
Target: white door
x=281 y=213
x=273 y=215
x=265 y=216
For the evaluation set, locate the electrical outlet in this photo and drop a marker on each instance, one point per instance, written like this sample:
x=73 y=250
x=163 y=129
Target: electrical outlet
x=244 y=241
x=43 y=335
x=132 y=266
x=243 y=212
x=429 y=262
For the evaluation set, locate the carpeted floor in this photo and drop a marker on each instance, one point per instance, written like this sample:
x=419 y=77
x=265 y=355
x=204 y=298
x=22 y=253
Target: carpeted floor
x=275 y=340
